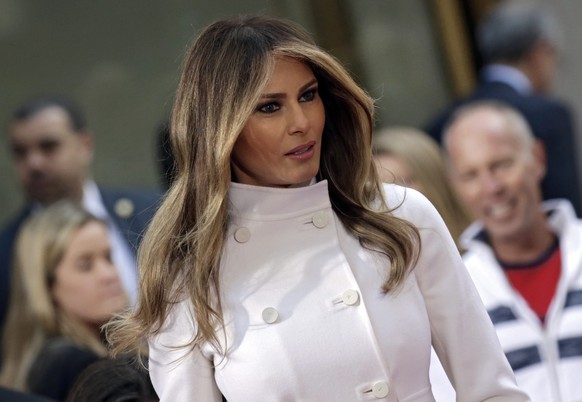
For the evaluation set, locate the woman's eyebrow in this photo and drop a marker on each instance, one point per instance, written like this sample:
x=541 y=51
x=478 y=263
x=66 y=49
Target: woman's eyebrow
x=310 y=83
x=278 y=95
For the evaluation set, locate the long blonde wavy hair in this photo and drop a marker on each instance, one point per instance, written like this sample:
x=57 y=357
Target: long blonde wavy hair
x=224 y=74
x=425 y=160
x=33 y=314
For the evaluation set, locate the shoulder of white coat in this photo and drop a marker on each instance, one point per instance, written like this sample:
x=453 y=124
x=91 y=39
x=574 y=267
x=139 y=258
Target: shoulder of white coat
x=409 y=204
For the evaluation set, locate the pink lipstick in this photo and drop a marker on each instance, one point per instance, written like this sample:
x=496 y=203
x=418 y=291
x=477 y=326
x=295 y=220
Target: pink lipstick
x=304 y=151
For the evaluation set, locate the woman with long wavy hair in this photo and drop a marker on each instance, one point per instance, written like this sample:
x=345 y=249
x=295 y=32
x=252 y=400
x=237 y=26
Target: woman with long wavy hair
x=279 y=267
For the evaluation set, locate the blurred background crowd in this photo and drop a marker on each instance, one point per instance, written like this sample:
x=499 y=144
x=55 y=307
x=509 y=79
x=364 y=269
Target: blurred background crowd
x=422 y=60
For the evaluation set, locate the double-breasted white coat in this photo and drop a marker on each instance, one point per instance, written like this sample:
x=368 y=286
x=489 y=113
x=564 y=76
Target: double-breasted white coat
x=306 y=319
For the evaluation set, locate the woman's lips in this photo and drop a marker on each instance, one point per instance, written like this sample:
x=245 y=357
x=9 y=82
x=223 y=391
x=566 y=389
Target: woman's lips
x=304 y=151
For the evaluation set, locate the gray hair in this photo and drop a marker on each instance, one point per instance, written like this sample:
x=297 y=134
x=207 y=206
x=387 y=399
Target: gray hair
x=511 y=30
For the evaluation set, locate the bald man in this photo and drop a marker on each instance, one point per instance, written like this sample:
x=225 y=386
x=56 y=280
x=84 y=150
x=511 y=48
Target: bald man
x=524 y=256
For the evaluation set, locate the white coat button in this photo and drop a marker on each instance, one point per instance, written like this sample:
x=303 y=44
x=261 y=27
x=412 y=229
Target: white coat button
x=350 y=297
x=320 y=220
x=270 y=315
x=242 y=235
x=380 y=389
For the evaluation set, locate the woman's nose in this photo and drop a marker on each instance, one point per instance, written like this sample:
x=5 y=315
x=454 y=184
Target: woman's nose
x=108 y=271
x=298 y=120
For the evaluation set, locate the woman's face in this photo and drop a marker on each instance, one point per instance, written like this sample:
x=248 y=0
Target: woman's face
x=87 y=284
x=280 y=144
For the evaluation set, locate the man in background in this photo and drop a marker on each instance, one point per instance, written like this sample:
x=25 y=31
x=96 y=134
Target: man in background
x=52 y=150
x=524 y=255
x=519 y=44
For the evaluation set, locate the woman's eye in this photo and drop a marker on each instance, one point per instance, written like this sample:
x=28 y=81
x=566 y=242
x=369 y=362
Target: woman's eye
x=84 y=264
x=269 y=108
x=309 y=95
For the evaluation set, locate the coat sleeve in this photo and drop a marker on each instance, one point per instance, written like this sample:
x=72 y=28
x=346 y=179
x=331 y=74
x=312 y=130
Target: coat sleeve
x=462 y=333
x=180 y=374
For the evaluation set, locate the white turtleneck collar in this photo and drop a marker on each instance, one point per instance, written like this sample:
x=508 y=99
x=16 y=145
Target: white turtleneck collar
x=273 y=202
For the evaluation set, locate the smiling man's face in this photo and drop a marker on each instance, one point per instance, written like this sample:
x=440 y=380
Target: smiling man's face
x=497 y=172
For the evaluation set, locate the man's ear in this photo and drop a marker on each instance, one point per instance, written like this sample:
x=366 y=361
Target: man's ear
x=540 y=65
x=539 y=157
x=87 y=145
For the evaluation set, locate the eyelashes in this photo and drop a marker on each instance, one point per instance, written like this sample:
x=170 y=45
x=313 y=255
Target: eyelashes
x=273 y=106
x=308 y=95
x=268 y=108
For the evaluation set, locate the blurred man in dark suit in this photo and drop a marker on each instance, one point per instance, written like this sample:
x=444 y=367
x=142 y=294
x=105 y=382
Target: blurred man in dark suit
x=519 y=45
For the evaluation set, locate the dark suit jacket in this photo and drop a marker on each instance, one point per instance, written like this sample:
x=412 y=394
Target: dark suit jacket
x=550 y=121
x=130 y=209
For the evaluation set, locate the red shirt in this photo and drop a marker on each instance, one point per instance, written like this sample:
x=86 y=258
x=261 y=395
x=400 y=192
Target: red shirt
x=537 y=281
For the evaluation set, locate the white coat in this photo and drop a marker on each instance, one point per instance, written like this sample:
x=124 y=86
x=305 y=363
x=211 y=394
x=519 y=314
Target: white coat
x=306 y=319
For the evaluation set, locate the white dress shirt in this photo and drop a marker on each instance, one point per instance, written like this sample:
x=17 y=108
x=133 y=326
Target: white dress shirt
x=121 y=254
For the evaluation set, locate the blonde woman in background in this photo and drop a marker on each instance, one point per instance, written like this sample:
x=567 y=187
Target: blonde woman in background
x=64 y=288
x=409 y=157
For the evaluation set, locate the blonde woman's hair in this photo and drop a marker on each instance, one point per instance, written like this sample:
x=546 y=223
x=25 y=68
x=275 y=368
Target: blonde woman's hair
x=33 y=314
x=425 y=160
x=224 y=75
